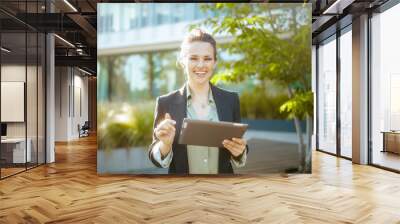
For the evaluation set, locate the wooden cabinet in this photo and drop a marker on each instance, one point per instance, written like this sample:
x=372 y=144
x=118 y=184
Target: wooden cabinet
x=391 y=142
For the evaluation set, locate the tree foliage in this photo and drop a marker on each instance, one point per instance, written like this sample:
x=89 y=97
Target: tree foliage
x=269 y=42
x=300 y=105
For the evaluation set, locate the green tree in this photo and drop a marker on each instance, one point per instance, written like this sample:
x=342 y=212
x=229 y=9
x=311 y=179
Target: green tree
x=150 y=73
x=272 y=42
x=117 y=88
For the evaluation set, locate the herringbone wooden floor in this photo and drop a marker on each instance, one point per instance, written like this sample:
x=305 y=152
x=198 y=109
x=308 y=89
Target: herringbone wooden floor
x=69 y=191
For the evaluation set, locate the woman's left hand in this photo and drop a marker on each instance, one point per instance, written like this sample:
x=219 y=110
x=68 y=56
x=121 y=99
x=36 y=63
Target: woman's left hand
x=236 y=146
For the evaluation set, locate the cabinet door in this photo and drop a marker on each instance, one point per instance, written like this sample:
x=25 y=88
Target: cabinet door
x=397 y=143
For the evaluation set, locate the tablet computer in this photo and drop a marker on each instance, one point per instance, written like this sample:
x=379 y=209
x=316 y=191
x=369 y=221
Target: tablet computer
x=209 y=133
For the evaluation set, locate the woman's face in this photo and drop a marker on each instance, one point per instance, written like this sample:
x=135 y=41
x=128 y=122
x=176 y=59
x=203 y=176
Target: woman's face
x=199 y=62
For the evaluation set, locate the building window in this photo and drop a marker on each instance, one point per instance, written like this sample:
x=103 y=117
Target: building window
x=179 y=13
x=327 y=96
x=145 y=15
x=385 y=89
x=162 y=13
x=106 y=23
x=346 y=93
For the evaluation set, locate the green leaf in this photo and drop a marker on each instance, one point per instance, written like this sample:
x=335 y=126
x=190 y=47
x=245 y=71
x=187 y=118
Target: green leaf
x=301 y=105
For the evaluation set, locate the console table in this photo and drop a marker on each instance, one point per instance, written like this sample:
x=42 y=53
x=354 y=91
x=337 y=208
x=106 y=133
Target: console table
x=391 y=141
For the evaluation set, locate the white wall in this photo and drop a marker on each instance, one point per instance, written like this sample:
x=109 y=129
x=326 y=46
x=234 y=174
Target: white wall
x=71 y=94
x=16 y=73
x=62 y=81
x=80 y=100
x=13 y=73
x=33 y=125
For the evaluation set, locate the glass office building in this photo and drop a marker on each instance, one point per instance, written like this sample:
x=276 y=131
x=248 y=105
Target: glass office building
x=125 y=17
x=129 y=38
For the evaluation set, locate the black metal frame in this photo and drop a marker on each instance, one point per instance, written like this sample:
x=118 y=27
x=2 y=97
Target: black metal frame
x=339 y=32
x=338 y=98
x=37 y=92
x=316 y=97
x=369 y=90
x=73 y=91
x=45 y=91
x=337 y=37
x=36 y=164
x=0 y=89
x=26 y=88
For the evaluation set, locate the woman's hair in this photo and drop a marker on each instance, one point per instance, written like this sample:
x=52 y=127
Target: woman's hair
x=198 y=35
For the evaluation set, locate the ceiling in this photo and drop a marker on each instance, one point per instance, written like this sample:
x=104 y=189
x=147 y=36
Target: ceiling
x=74 y=22
x=331 y=15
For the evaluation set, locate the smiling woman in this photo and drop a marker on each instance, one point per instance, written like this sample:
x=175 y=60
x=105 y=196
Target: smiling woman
x=197 y=99
x=199 y=62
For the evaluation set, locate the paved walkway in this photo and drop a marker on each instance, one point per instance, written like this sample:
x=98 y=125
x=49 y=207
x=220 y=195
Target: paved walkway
x=266 y=156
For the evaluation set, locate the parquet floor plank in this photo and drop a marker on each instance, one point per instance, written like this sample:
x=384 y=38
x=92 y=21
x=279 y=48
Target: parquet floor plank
x=70 y=191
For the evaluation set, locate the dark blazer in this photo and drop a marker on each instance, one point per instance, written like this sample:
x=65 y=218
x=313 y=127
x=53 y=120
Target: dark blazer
x=174 y=103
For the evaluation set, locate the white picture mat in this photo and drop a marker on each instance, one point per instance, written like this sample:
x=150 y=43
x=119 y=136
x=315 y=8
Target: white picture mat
x=12 y=101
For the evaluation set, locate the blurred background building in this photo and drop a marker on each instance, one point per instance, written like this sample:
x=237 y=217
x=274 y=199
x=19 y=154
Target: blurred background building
x=139 y=43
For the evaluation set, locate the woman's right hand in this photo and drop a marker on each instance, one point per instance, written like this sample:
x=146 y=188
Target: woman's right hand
x=165 y=132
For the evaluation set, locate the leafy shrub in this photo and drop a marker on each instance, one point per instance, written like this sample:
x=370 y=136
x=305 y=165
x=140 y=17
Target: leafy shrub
x=301 y=105
x=125 y=126
x=259 y=104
